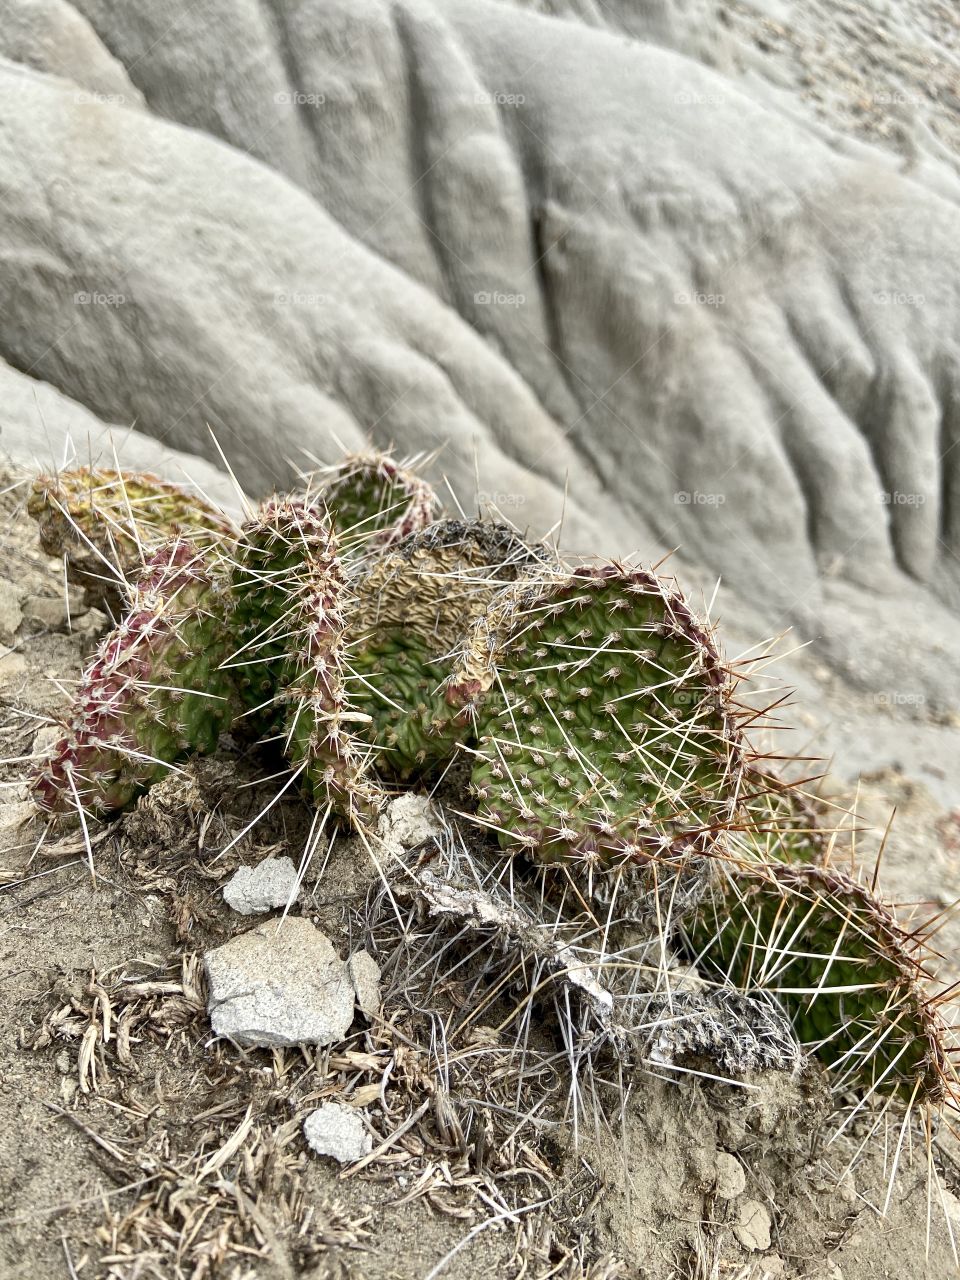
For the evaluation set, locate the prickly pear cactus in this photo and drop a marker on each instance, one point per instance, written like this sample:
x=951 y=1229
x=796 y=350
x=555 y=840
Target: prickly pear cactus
x=154 y=693
x=416 y=600
x=271 y=554
x=293 y=604
x=105 y=524
x=780 y=823
x=603 y=718
x=846 y=972
x=375 y=501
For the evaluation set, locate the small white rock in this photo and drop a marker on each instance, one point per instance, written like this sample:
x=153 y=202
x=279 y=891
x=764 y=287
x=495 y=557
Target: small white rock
x=11 y=614
x=279 y=985
x=753 y=1226
x=253 y=890
x=365 y=976
x=338 y=1131
x=408 y=820
x=731 y=1179
x=46 y=738
x=13 y=665
x=16 y=814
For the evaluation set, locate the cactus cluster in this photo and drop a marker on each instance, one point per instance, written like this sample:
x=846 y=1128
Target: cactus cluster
x=374 y=640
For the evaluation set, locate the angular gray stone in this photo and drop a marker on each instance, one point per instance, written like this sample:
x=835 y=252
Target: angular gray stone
x=279 y=984
x=252 y=890
x=408 y=820
x=338 y=1131
x=365 y=975
x=731 y=1179
x=752 y=1228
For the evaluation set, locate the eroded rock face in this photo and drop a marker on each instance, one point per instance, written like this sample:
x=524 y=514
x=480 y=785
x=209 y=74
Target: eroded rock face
x=728 y=327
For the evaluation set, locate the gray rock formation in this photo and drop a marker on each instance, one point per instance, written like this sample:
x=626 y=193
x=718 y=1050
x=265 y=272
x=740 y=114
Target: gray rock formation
x=555 y=242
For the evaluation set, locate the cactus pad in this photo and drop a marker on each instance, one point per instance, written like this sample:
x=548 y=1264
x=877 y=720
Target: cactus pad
x=375 y=501
x=848 y=975
x=416 y=600
x=605 y=730
x=154 y=693
x=293 y=603
x=107 y=523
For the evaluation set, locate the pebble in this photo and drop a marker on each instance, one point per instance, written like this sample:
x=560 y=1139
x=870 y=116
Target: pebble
x=731 y=1181
x=365 y=976
x=11 y=614
x=16 y=814
x=752 y=1228
x=408 y=820
x=279 y=984
x=46 y=738
x=337 y=1131
x=253 y=890
x=49 y=612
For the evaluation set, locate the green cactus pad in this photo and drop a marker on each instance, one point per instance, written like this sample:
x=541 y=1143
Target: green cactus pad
x=155 y=692
x=293 y=603
x=847 y=974
x=105 y=524
x=416 y=601
x=271 y=555
x=780 y=824
x=375 y=501
x=604 y=722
